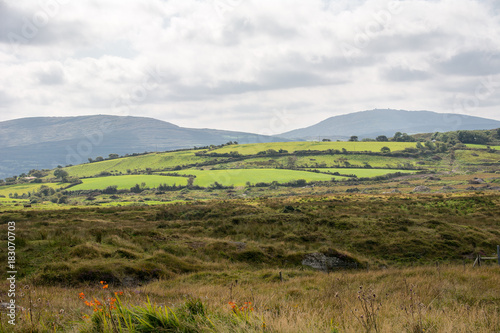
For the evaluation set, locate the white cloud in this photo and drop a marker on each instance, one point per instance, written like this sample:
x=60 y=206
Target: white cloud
x=234 y=64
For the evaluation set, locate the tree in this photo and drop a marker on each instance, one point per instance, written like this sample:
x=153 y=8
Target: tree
x=353 y=138
x=382 y=138
x=326 y=140
x=99 y=159
x=291 y=162
x=429 y=145
x=385 y=150
x=36 y=173
x=62 y=174
x=136 y=189
x=113 y=156
x=397 y=136
x=498 y=133
x=110 y=189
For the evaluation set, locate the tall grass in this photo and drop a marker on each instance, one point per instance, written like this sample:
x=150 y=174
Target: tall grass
x=419 y=299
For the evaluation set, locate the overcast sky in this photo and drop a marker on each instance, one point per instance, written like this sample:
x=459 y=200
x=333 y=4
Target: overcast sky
x=249 y=65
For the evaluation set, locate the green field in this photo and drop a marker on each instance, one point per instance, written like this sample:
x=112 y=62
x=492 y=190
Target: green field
x=159 y=161
x=254 y=148
x=126 y=182
x=239 y=177
x=154 y=161
x=476 y=157
x=322 y=161
x=363 y=172
x=470 y=145
x=26 y=188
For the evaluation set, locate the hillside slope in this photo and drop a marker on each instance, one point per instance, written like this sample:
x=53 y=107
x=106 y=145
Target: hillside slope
x=369 y=124
x=45 y=142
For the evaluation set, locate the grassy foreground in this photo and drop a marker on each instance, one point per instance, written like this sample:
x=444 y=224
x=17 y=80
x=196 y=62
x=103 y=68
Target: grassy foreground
x=192 y=259
x=423 y=299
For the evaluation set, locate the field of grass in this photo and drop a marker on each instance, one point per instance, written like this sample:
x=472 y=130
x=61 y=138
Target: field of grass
x=470 y=145
x=254 y=148
x=446 y=299
x=233 y=250
x=126 y=182
x=239 y=177
x=326 y=160
x=363 y=172
x=154 y=161
x=476 y=157
x=26 y=188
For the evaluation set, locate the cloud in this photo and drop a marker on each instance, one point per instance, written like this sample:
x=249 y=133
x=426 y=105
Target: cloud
x=231 y=64
x=403 y=74
x=475 y=63
x=52 y=75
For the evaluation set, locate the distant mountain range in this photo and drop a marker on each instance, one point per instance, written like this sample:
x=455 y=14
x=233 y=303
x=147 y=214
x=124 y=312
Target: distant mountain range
x=45 y=142
x=370 y=124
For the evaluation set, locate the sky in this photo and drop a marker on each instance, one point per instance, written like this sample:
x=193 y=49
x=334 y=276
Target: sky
x=249 y=65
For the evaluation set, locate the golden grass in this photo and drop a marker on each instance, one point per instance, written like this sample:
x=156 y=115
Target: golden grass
x=419 y=299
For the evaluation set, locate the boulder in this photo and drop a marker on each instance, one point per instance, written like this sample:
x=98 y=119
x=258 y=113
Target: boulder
x=477 y=181
x=326 y=262
x=421 y=188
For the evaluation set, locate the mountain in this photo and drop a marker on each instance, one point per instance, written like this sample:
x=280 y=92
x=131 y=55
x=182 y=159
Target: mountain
x=370 y=124
x=45 y=142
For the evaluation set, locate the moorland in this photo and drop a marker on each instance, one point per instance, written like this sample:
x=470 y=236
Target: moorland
x=361 y=236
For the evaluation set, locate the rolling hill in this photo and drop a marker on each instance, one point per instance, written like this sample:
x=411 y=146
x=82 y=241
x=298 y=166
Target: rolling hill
x=370 y=124
x=45 y=142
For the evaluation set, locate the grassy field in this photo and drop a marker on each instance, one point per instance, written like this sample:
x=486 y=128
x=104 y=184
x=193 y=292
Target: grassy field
x=470 y=145
x=446 y=299
x=363 y=172
x=251 y=149
x=158 y=161
x=196 y=258
x=239 y=177
x=26 y=188
x=126 y=182
x=154 y=161
x=326 y=160
x=476 y=157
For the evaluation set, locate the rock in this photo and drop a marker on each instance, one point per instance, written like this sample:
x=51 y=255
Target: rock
x=447 y=187
x=476 y=181
x=352 y=190
x=433 y=178
x=322 y=262
x=471 y=188
x=421 y=188
x=239 y=245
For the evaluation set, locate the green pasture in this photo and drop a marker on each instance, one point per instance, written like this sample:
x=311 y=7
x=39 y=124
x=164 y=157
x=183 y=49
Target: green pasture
x=470 y=145
x=254 y=148
x=239 y=177
x=20 y=189
x=363 y=172
x=324 y=161
x=128 y=181
x=154 y=161
x=476 y=157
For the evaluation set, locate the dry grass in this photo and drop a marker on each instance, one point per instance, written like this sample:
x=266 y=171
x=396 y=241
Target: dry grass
x=420 y=299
